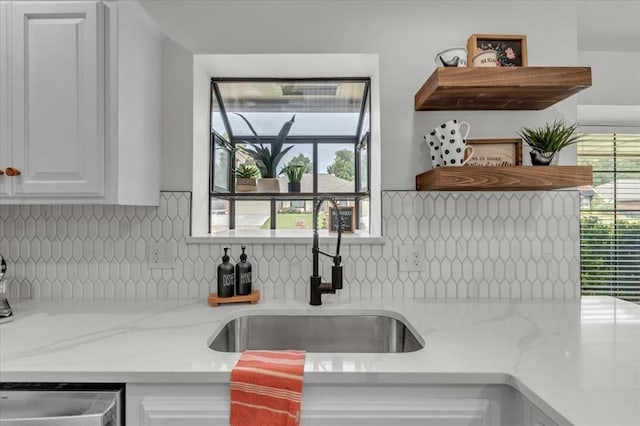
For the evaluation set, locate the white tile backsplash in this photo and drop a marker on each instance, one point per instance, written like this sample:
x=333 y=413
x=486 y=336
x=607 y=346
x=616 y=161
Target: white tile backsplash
x=478 y=245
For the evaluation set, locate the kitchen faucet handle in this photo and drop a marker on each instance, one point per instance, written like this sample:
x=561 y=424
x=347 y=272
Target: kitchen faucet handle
x=336 y=277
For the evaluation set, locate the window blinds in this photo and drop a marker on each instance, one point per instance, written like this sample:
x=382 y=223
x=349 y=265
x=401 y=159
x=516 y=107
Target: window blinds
x=610 y=216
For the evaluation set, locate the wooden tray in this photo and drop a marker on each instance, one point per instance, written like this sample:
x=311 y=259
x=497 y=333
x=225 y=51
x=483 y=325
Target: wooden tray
x=252 y=298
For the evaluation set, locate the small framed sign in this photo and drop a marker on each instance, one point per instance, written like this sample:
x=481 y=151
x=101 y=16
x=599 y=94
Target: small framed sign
x=495 y=152
x=348 y=217
x=511 y=50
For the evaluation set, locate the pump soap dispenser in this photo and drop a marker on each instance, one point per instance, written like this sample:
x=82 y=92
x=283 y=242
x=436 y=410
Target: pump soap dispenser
x=243 y=275
x=6 y=314
x=226 y=276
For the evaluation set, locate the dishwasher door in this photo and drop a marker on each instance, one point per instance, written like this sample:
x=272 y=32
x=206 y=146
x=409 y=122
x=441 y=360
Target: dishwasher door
x=59 y=408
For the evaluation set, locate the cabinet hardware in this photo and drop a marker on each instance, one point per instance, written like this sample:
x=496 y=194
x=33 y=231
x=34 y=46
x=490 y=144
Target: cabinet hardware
x=10 y=171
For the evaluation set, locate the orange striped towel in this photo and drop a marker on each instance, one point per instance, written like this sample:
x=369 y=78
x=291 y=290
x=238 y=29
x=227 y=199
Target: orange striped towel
x=266 y=388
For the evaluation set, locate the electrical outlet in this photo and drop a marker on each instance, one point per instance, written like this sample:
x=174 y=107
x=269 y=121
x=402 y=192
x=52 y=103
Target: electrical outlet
x=411 y=258
x=162 y=255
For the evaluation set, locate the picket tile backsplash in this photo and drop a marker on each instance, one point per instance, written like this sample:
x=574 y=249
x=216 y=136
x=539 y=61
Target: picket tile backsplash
x=477 y=245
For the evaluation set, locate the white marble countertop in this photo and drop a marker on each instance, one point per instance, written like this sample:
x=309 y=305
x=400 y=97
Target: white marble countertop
x=580 y=359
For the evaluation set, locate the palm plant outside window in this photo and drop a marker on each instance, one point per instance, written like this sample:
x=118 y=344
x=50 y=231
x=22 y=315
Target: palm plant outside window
x=326 y=149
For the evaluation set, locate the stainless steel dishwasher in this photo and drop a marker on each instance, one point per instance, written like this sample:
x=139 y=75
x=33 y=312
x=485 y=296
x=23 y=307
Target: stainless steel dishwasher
x=62 y=406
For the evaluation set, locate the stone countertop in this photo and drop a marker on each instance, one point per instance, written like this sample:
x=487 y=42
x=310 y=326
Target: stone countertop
x=577 y=359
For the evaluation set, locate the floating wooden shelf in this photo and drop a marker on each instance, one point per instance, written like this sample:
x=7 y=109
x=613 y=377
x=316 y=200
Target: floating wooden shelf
x=512 y=178
x=513 y=88
x=252 y=298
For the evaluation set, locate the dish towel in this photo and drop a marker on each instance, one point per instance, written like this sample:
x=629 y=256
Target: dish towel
x=266 y=388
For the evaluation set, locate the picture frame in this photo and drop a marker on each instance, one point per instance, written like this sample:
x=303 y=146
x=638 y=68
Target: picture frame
x=348 y=216
x=511 y=49
x=495 y=152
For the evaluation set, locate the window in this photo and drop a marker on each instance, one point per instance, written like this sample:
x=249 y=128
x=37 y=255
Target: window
x=330 y=138
x=610 y=215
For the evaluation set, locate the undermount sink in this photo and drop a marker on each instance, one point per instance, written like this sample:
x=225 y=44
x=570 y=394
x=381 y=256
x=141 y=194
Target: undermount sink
x=361 y=333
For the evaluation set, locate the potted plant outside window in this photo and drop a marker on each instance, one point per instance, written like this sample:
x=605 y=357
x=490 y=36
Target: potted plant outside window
x=294 y=173
x=547 y=141
x=246 y=175
x=267 y=158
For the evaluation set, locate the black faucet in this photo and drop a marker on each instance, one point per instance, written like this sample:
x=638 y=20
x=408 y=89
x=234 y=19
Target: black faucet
x=318 y=288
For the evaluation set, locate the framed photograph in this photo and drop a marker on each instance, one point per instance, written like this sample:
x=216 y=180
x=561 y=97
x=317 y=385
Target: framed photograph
x=511 y=50
x=348 y=216
x=495 y=152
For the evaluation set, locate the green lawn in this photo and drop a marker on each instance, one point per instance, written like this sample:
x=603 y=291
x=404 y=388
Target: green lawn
x=288 y=221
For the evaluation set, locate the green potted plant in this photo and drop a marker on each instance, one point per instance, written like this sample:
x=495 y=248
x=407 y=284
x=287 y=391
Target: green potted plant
x=267 y=158
x=294 y=173
x=246 y=175
x=547 y=141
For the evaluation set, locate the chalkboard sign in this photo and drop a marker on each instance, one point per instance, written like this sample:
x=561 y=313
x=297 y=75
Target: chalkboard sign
x=348 y=217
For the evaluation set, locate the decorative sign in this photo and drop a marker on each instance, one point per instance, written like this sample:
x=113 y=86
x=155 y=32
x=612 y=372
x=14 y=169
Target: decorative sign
x=511 y=50
x=348 y=217
x=495 y=152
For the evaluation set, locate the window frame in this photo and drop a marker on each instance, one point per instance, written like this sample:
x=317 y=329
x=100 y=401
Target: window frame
x=360 y=140
x=609 y=281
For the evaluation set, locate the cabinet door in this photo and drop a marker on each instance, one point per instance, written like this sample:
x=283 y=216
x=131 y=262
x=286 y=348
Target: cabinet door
x=57 y=81
x=5 y=99
x=192 y=411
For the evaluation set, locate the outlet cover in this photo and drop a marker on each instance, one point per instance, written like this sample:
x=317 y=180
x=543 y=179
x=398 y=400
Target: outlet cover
x=162 y=255
x=411 y=258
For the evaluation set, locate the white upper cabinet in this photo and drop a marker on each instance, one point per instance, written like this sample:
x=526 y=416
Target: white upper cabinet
x=6 y=188
x=57 y=98
x=80 y=104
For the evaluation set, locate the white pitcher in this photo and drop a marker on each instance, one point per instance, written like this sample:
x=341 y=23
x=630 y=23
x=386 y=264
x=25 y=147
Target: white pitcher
x=453 y=145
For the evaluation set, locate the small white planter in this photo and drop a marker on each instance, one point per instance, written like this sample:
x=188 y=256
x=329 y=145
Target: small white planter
x=268 y=185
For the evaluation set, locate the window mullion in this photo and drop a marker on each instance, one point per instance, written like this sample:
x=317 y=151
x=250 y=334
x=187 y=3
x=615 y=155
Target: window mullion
x=315 y=167
x=616 y=252
x=356 y=160
x=232 y=214
x=273 y=213
x=363 y=107
x=223 y=111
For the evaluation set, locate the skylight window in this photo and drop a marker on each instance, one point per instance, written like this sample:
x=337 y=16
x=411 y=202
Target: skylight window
x=322 y=108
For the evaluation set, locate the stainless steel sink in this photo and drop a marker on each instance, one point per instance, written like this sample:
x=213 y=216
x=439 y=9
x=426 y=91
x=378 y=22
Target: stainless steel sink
x=366 y=333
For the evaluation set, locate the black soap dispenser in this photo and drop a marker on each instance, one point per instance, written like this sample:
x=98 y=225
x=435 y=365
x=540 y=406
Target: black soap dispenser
x=226 y=276
x=243 y=275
